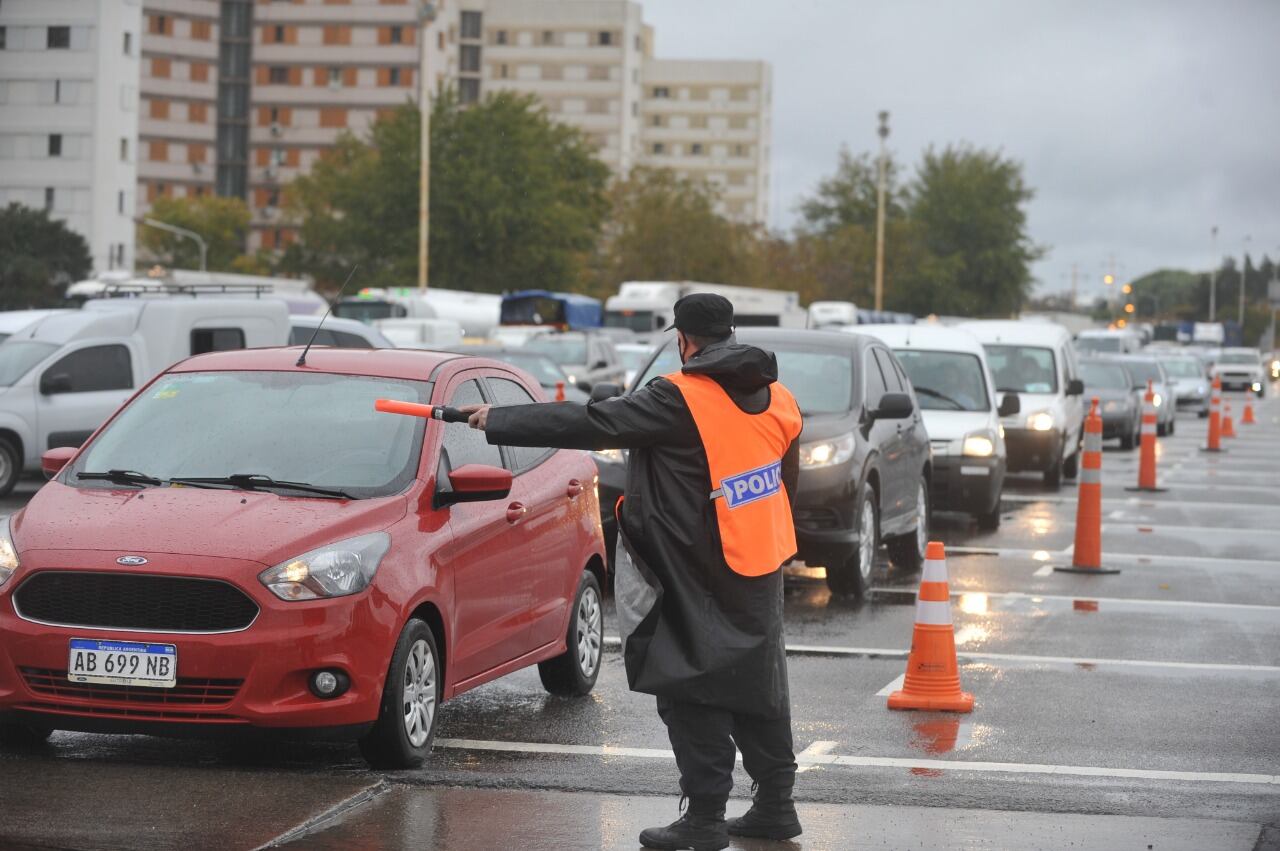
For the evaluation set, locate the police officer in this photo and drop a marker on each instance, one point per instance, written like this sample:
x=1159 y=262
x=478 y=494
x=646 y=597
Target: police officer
x=703 y=531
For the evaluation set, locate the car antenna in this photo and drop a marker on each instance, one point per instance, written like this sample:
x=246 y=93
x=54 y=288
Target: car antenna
x=302 y=358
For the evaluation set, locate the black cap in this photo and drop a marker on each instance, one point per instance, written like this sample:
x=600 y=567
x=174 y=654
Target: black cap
x=704 y=315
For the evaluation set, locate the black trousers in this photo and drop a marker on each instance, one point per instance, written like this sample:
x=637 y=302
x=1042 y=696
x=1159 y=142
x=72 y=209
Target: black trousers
x=703 y=738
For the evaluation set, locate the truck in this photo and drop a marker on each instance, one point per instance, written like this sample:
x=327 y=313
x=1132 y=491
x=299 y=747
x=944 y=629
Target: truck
x=477 y=313
x=297 y=293
x=647 y=307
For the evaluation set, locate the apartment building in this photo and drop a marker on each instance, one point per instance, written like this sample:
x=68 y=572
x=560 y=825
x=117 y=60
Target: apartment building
x=69 y=100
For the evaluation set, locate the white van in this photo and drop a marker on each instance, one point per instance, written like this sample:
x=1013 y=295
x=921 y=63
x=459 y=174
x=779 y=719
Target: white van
x=13 y=321
x=1102 y=341
x=62 y=376
x=823 y=314
x=336 y=332
x=961 y=409
x=1037 y=361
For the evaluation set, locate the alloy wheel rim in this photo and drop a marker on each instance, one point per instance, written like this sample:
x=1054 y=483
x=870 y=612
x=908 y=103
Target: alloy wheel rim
x=922 y=520
x=590 y=628
x=5 y=467
x=419 y=699
x=867 y=539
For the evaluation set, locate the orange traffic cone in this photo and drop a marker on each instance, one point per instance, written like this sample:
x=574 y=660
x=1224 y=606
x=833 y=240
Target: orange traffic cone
x=933 y=676
x=1248 y=419
x=1087 y=555
x=559 y=391
x=1215 y=417
x=1228 y=426
x=1147 y=462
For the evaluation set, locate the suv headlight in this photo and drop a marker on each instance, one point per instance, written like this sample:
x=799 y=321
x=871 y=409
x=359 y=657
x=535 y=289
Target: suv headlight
x=979 y=445
x=1040 y=421
x=609 y=456
x=336 y=570
x=1157 y=399
x=826 y=453
x=8 y=552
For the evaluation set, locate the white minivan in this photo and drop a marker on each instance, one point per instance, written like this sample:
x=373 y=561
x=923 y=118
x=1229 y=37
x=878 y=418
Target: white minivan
x=63 y=375
x=961 y=409
x=1037 y=361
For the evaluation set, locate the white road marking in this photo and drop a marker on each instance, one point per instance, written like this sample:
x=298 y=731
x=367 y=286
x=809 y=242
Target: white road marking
x=1045 y=570
x=805 y=758
x=818 y=748
x=894 y=685
x=1021 y=595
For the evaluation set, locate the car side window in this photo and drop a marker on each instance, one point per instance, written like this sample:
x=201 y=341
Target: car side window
x=507 y=392
x=892 y=382
x=467 y=445
x=216 y=340
x=876 y=385
x=94 y=369
x=347 y=340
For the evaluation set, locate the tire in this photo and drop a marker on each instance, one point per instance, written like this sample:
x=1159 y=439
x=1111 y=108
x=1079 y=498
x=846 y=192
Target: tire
x=1204 y=414
x=1161 y=430
x=907 y=551
x=22 y=734
x=10 y=467
x=573 y=673
x=1127 y=442
x=851 y=576
x=1173 y=427
x=1071 y=467
x=989 y=521
x=395 y=742
x=1053 y=475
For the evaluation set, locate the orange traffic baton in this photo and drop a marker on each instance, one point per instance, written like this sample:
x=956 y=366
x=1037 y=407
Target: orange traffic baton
x=1215 y=418
x=559 y=391
x=1147 y=461
x=1248 y=419
x=413 y=409
x=1087 y=554
x=1228 y=425
x=932 y=681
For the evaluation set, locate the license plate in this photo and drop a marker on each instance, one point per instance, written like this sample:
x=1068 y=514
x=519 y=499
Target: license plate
x=125 y=663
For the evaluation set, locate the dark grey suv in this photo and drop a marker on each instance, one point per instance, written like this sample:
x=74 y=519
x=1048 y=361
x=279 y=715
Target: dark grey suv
x=864 y=453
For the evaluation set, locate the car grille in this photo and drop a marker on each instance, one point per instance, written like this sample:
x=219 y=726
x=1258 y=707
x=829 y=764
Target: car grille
x=133 y=601
x=48 y=682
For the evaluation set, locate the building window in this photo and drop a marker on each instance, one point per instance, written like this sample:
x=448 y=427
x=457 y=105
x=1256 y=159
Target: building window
x=275 y=114
x=393 y=77
x=159 y=108
x=160 y=67
x=500 y=37
x=201 y=30
x=3 y=37
x=273 y=198
x=606 y=38
x=655 y=121
x=661 y=92
x=333 y=117
x=128 y=44
x=469 y=90
x=57 y=91
x=337 y=35
x=335 y=77
x=159 y=25
x=59 y=38
x=124 y=150
x=502 y=71
x=55 y=144
x=197 y=113
x=278 y=75
x=739 y=150
x=548 y=37
x=120 y=201
x=470 y=58
x=659 y=148
x=277 y=34
x=199 y=72
x=48 y=198
x=471 y=22
x=396 y=36
x=697 y=149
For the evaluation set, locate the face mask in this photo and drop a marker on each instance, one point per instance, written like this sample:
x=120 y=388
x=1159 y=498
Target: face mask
x=680 y=347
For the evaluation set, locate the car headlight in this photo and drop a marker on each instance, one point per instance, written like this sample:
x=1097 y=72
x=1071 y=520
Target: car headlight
x=1257 y=385
x=826 y=453
x=979 y=445
x=1156 y=399
x=1040 y=421
x=573 y=379
x=609 y=456
x=1110 y=406
x=336 y=570
x=8 y=552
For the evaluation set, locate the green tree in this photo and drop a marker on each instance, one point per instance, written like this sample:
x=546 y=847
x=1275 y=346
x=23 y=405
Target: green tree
x=222 y=222
x=848 y=197
x=39 y=257
x=516 y=199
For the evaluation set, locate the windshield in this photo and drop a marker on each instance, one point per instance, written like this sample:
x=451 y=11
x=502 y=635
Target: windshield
x=532 y=310
x=1144 y=371
x=633 y=359
x=561 y=348
x=1184 y=368
x=318 y=428
x=1239 y=357
x=17 y=357
x=821 y=381
x=946 y=381
x=640 y=321
x=1098 y=344
x=539 y=366
x=1022 y=369
x=1105 y=376
x=368 y=311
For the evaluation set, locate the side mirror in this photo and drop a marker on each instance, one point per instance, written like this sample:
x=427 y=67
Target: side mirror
x=52 y=384
x=53 y=460
x=605 y=390
x=476 y=483
x=895 y=406
x=585 y=386
x=1010 y=404
x=600 y=364
x=1075 y=387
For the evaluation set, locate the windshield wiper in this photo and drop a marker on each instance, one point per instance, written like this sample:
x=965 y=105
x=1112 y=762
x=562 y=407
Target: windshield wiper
x=928 y=391
x=257 y=481
x=121 y=477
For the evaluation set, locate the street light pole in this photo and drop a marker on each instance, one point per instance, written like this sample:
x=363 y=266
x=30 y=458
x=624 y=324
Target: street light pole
x=189 y=234
x=1213 y=275
x=426 y=17
x=883 y=131
x=1244 y=267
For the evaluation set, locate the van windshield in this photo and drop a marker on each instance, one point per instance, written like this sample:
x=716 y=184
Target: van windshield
x=640 y=321
x=946 y=381
x=1022 y=369
x=1098 y=344
x=18 y=357
x=316 y=428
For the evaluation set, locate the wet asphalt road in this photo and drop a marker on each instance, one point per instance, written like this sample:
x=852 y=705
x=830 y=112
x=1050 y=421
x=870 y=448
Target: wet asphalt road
x=1138 y=710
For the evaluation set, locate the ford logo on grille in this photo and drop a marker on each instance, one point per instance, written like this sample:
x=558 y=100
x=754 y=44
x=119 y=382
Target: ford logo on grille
x=131 y=561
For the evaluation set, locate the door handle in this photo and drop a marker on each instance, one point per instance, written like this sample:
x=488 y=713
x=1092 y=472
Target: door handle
x=515 y=511
x=575 y=488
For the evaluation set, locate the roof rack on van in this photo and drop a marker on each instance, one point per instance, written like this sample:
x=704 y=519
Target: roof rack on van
x=134 y=289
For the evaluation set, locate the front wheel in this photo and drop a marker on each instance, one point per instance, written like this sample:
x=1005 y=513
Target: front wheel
x=851 y=576
x=1071 y=467
x=10 y=467
x=22 y=734
x=1053 y=473
x=574 y=672
x=406 y=724
x=907 y=551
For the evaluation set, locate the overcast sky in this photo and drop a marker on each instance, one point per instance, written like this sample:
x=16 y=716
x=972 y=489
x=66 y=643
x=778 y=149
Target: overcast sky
x=1140 y=124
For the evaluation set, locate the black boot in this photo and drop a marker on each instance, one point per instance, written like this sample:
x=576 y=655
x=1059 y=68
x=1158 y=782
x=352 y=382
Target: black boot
x=772 y=816
x=701 y=828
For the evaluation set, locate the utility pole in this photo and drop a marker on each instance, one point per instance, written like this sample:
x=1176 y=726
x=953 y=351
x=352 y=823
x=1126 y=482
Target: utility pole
x=883 y=131
x=1213 y=275
x=426 y=17
x=1075 y=286
x=1244 y=278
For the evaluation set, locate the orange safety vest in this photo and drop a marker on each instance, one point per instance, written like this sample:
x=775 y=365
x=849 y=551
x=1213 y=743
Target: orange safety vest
x=744 y=454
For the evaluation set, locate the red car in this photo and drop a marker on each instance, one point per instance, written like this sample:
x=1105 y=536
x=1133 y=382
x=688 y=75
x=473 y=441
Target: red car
x=247 y=543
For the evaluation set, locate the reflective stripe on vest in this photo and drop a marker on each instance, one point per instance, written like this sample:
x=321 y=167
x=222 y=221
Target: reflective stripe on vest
x=744 y=456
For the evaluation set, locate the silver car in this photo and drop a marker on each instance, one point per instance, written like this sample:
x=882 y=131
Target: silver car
x=1190 y=382
x=1146 y=368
